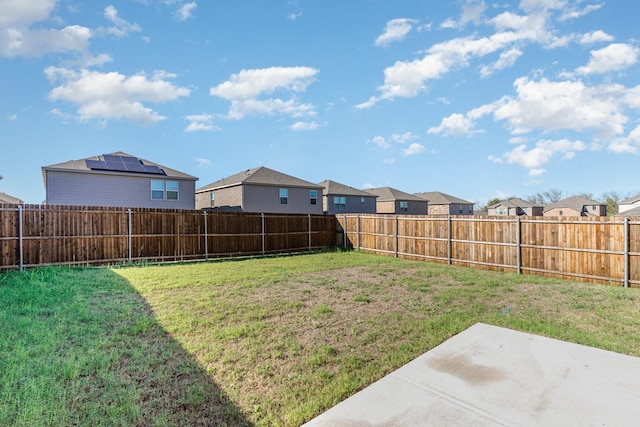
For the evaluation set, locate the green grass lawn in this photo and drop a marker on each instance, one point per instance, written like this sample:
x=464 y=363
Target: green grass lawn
x=272 y=341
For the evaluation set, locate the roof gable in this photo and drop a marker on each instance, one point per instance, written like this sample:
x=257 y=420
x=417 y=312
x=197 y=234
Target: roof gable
x=388 y=194
x=335 y=188
x=83 y=165
x=633 y=199
x=5 y=198
x=576 y=203
x=439 y=198
x=259 y=176
x=514 y=203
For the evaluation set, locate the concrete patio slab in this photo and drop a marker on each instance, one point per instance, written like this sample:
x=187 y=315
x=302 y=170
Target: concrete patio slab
x=492 y=376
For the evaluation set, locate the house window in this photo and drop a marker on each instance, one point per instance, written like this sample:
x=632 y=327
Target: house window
x=213 y=198
x=404 y=206
x=501 y=211
x=362 y=200
x=157 y=190
x=284 y=196
x=164 y=190
x=339 y=203
x=172 y=188
x=560 y=213
x=313 y=197
x=593 y=208
x=460 y=209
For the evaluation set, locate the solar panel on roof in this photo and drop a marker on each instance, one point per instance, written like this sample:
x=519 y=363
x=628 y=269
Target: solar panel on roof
x=113 y=162
x=112 y=158
x=95 y=164
x=129 y=159
x=134 y=167
x=153 y=169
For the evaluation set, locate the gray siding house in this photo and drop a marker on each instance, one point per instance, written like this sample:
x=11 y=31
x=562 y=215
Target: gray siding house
x=393 y=201
x=575 y=206
x=446 y=204
x=515 y=207
x=261 y=190
x=339 y=198
x=118 y=180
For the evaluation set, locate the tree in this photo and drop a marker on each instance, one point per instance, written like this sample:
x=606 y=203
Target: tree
x=546 y=197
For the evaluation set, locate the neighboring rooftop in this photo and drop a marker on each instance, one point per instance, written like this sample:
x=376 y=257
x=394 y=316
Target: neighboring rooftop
x=258 y=176
x=575 y=203
x=5 y=198
x=332 y=187
x=388 y=193
x=439 y=198
x=515 y=203
x=118 y=162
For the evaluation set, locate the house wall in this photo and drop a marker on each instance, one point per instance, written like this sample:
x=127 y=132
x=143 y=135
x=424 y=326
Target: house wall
x=110 y=189
x=263 y=198
x=393 y=206
x=457 y=209
x=353 y=204
x=439 y=210
x=565 y=212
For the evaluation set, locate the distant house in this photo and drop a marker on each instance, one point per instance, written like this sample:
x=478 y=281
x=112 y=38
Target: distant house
x=5 y=198
x=339 y=198
x=575 y=206
x=393 y=201
x=445 y=204
x=118 y=180
x=630 y=212
x=515 y=207
x=628 y=204
x=261 y=190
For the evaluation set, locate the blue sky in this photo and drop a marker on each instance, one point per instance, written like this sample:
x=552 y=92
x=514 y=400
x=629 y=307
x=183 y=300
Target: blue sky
x=477 y=99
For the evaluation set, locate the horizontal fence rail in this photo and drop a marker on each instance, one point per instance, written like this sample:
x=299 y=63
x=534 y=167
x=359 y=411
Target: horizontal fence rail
x=34 y=235
x=597 y=249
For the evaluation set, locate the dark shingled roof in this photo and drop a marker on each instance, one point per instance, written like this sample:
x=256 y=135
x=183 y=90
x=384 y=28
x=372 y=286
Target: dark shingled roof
x=439 y=198
x=387 y=193
x=258 y=176
x=332 y=187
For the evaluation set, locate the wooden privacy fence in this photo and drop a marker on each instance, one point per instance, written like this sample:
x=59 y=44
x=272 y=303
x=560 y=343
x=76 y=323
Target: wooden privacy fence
x=602 y=249
x=48 y=235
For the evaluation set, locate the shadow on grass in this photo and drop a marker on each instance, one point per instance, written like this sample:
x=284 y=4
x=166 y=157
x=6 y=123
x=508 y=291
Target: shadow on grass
x=82 y=347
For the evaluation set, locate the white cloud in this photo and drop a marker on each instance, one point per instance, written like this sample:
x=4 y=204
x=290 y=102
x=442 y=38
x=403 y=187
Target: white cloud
x=23 y=30
x=565 y=105
x=454 y=125
x=413 y=149
x=395 y=30
x=506 y=60
x=595 y=37
x=12 y=117
x=472 y=11
x=574 y=12
x=615 y=57
x=244 y=89
x=121 y=27
x=535 y=158
x=203 y=163
x=200 y=122
x=304 y=126
x=380 y=142
x=402 y=138
x=185 y=11
x=108 y=96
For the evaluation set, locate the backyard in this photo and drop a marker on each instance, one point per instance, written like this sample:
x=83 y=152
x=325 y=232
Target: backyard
x=265 y=341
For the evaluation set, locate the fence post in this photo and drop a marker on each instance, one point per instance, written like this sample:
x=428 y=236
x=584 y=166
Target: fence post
x=20 y=239
x=309 y=223
x=206 y=237
x=449 y=239
x=344 y=233
x=519 y=245
x=395 y=243
x=626 y=252
x=358 y=231
x=263 y=231
x=129 y=249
